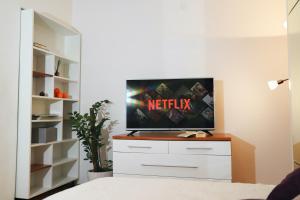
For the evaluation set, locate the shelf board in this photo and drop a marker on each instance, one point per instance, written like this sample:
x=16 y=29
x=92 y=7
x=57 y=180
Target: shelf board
x=55 y=25
x=62 y=181
x=66 y=141
x=46 y=120
x=37 y=74
x=64 y=79
x=37 y=190
x=53 y=98
x=45 y=52
x=45 y=98
x=71 y=100
x=54 y=142
x=37 y=167
x=39 y=144
x=63 y=161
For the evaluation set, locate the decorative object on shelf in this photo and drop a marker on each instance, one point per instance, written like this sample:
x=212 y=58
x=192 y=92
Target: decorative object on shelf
x=60 y=94
x=57 y=68
x=273 y=84
x=39 y=45
x=43 y=94
x=44 y=135
x=56 y=92
x=65 y=95
x=89 y=128
x=34 y=117
x=44 y=116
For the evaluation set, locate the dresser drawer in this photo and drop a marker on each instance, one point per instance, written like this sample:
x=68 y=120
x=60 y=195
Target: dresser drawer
x=141 y=146
x=184 y=166
x=200 y=147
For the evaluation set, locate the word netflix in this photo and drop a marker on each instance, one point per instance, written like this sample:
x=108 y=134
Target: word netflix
x=160 y=104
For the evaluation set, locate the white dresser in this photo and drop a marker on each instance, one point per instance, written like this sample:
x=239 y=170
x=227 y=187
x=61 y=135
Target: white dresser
x=170 y=156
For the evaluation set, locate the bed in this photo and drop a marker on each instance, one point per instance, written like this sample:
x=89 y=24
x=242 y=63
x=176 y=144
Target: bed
x=125 y=188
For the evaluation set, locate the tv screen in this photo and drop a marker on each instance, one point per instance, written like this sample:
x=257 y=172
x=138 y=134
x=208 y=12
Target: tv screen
x=170 y=104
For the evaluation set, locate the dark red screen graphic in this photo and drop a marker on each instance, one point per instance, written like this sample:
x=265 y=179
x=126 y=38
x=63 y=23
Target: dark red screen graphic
x=164 y=104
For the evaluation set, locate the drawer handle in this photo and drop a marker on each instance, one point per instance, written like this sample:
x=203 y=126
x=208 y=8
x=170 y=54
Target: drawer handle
x=199 y=148
x=140 y=147
x=177 y=166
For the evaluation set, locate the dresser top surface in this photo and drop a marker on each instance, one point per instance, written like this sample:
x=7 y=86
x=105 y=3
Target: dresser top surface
x=171 y=137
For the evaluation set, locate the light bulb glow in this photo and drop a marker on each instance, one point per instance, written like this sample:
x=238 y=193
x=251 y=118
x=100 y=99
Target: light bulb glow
x=272 y=84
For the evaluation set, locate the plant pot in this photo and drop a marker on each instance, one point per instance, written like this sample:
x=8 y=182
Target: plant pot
x=95 y=175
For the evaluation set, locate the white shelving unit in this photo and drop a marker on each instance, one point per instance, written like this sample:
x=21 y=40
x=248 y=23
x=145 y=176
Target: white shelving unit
x=44 y=166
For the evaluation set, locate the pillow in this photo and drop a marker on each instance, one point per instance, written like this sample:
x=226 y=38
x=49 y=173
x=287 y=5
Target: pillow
x=289 y=187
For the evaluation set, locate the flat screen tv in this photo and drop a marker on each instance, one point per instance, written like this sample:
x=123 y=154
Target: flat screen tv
x=170 y=104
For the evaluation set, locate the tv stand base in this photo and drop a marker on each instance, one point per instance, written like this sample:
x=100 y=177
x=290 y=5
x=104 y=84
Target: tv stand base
x=207 y=132
x=131 y=133
x=191 y=156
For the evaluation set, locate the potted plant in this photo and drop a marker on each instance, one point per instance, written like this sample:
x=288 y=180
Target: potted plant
x=89 y=128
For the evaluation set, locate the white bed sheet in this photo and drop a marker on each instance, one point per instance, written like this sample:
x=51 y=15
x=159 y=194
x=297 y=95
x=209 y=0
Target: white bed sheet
x=124 y=188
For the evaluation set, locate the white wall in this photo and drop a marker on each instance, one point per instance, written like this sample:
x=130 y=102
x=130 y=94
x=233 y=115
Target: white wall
x=9 y=70
x=294 y=71
x=9 y=63
x=241 y=43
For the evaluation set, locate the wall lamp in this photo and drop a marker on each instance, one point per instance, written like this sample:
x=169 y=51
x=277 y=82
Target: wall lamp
x=273 y=84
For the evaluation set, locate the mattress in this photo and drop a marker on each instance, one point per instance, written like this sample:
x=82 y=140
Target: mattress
x=125 y=188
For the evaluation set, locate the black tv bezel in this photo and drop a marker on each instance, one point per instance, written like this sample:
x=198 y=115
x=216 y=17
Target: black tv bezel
x=171 y=129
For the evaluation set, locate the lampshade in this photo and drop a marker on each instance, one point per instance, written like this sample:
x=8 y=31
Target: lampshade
x=273 y=84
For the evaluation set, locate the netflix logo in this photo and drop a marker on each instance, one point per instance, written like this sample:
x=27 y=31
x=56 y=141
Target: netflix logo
x=163 y=104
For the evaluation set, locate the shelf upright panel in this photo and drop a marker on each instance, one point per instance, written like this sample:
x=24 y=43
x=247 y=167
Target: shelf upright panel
x=25 y=98
x=49 y=68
